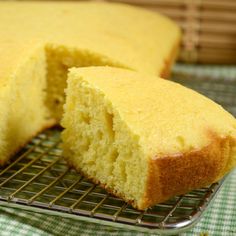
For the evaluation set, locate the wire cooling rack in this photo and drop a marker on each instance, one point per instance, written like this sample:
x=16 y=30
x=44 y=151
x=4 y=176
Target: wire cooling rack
x=222 y=91
x=39 y=180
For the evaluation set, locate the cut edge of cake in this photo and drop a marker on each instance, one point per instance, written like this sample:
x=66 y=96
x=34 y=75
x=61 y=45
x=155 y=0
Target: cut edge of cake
x=53 y=62
x=115 y=143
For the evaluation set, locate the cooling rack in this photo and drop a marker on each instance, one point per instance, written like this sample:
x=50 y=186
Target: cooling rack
x=39 y=180
x=221 y=90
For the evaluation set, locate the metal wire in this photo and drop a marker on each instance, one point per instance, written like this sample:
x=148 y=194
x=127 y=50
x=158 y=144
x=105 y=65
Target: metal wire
x=39 y=177
x=222 y=91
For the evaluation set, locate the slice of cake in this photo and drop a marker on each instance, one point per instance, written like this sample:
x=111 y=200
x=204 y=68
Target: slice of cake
x=39 y=41
x=144 y=139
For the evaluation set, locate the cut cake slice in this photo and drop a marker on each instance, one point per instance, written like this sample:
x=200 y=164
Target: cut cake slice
x=143 y=138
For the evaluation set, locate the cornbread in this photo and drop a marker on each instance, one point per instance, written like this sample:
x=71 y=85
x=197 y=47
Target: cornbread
x=39 y=41
x=144 y=139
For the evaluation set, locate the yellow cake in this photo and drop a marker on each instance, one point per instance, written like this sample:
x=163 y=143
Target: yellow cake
x=39 y=41
x=144 y=139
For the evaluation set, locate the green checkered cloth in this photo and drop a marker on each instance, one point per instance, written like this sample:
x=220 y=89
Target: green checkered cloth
x=220 y=219
x=207 y=71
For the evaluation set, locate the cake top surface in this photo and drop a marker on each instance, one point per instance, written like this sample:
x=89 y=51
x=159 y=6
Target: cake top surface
x=167 y=117
x=130 y=36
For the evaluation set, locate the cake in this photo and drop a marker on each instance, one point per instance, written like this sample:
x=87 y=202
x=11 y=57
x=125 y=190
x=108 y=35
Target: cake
x=142 y=138
x=39 y=41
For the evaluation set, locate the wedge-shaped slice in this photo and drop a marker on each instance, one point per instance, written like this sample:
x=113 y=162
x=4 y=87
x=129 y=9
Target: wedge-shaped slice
x=142 y=138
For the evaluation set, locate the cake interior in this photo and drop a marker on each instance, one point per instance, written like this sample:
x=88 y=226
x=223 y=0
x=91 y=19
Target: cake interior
x=100 y=144
x=25 y=113
x=34 y=96
x=4 y=107
x=59 y=60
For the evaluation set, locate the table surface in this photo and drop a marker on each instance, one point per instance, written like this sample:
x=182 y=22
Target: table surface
x=220 y=218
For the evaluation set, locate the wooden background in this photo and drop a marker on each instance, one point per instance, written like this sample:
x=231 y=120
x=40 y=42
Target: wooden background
x=209 y=27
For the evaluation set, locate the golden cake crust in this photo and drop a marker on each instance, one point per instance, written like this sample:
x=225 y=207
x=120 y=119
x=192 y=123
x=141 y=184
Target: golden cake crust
x=169 y=61
x=180 y=173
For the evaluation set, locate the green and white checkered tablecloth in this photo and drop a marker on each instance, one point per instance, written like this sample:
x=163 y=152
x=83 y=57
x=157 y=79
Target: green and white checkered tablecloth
x=227 y=72
x=219 y=220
